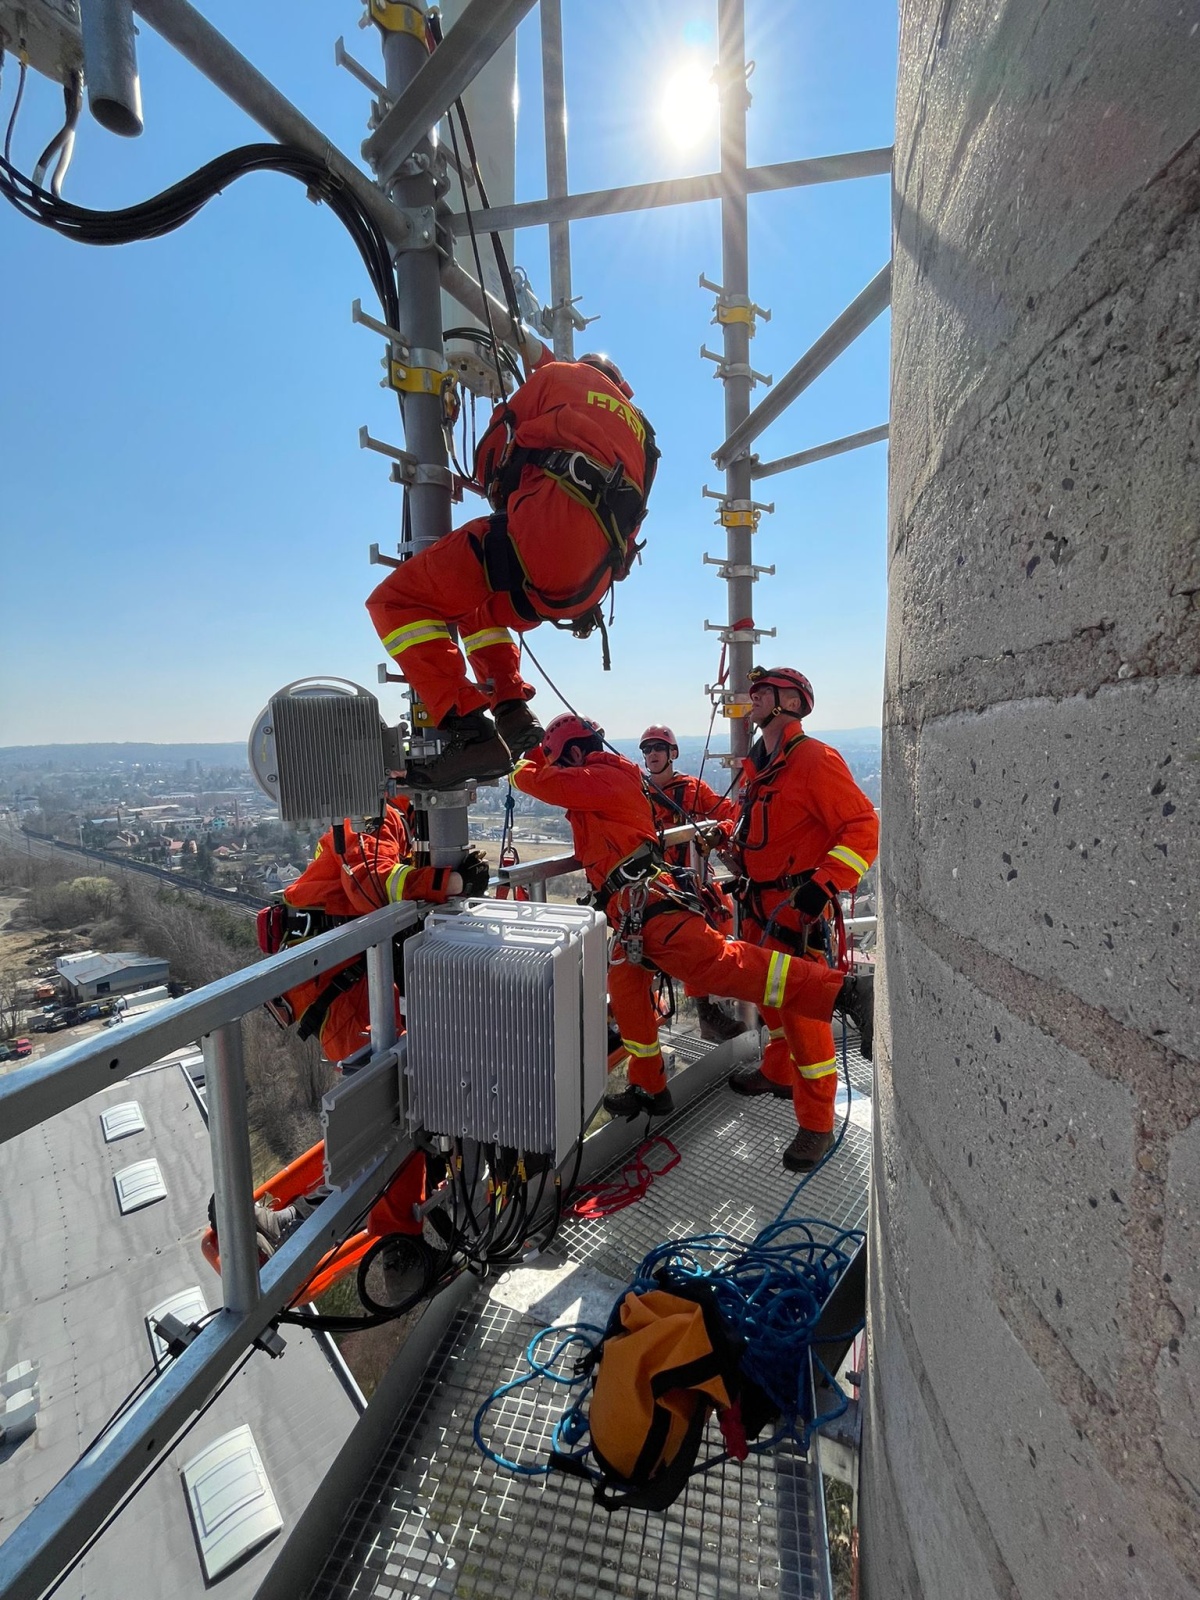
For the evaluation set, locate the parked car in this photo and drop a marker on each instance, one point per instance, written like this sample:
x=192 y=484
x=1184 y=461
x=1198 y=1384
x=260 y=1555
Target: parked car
x=22 y=1047
x=7 y=1053
x=38 y=1023
x=56 y=1023
x=87 y=1013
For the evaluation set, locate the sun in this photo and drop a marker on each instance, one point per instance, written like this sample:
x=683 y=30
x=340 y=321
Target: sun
x=688 y=109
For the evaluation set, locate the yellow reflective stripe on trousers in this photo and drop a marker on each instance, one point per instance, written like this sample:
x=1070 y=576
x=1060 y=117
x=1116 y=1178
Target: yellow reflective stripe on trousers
x=402 y=639
x=395 y=880
x=849 y=858
x=819 y=1069
x=643 y=1052
x=777 y=972
x=488 y=636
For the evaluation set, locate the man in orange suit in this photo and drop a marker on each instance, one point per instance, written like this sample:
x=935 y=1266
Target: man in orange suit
x=566 y=463
x=655 y=924
x=806 y=833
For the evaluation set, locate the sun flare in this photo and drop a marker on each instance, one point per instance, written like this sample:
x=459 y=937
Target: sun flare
x=688 y=109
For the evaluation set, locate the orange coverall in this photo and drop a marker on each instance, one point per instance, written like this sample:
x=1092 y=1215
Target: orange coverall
x=375 y=871
x=611 y=820
x=563 y=552
x=689 y=799
x=800 y=810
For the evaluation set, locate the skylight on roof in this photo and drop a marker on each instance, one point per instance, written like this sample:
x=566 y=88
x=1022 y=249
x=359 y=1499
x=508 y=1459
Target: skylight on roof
x=120 y=1121
x=189 y=1305
x=139 y=1185
x=233 y=1508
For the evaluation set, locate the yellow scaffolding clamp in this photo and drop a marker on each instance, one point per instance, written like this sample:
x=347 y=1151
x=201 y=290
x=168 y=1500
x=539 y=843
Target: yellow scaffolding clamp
x=395 y=16
x=734 y=308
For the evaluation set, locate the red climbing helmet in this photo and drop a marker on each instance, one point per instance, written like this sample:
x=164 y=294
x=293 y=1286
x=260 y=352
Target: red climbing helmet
x=564 y=729
x=778 y=678
x=657 y=734
x=609 y=368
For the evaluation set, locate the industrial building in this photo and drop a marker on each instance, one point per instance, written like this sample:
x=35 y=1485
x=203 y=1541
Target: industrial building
x=92 y=974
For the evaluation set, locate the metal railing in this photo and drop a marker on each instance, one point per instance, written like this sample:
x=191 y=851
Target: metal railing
x=535 y=875
x=80 y=1504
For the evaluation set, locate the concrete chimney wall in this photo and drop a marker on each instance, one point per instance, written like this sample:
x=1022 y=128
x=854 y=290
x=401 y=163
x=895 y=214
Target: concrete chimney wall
x=1033 y=1397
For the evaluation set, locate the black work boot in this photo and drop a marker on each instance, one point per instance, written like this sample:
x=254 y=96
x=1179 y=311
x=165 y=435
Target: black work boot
x=856 y=1000
x=716 y=1025
x=633 y=1102
x=753 y=1080
x=518 y=726
x=474 y=750
x=806 y=1150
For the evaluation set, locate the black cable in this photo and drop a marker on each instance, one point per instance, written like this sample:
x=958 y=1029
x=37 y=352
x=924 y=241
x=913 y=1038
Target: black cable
x=487 y=310
x=165 y=212
x=12 y=121
x=136 y=1488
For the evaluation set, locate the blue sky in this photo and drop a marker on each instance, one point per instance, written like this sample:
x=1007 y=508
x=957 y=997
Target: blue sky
x=184 y=509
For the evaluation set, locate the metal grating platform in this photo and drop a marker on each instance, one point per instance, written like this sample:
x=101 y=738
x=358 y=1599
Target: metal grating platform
x=439 y=1519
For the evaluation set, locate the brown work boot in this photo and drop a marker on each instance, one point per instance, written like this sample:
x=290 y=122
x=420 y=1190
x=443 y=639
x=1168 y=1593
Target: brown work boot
x=753 y=1080
x=633 y=1102
x=474 y=750
x=807 y=1150
x=856 y=1000
x=518 y=726
x=716 y=1025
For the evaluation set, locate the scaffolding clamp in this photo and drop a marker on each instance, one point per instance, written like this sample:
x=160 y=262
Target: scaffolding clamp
x=422 y=225
x=396 y=16
x=730 y=635
x=735 y=369
x=738 y=513
x=734 y=308
x=727 y=569
x=422 y=373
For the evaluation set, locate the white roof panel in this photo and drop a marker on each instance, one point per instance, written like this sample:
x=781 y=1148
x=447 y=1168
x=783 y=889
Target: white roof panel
x=189 y=1305
x=139 y=1185
x=120 y=1121
x=233 y=1508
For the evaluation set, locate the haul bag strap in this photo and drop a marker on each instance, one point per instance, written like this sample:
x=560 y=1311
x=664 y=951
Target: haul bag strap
x=313 y=1019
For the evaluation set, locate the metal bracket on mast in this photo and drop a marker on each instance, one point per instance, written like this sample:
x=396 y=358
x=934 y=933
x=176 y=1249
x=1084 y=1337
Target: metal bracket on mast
x=726 y=569
x=343 y=58
x=730 y=635
x=734 y=307
x=738 y=513
x=735 y=369
x=395 y=338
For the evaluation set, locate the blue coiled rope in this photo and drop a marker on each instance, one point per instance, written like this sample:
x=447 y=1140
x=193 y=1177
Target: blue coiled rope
x=770 y=1293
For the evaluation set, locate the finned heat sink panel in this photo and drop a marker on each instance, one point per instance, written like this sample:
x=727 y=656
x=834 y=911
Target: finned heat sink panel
x=329 y=750
x=495 y=1030
x=588 y=925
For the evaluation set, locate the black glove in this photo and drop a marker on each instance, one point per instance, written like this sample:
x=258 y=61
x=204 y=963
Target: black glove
x=475 y=872
x=810 y=899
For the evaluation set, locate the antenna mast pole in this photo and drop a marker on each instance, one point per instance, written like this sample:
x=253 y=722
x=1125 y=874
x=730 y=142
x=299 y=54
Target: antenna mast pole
x=408 y=181
x=735 y=312
x=554 y=99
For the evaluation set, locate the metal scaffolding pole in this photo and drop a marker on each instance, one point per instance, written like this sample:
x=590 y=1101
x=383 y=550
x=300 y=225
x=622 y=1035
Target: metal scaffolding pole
x=820 y=452
x=676 y=192
x=839 y=336
x=410 y=185
x=554 y=99
x=735 y=372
